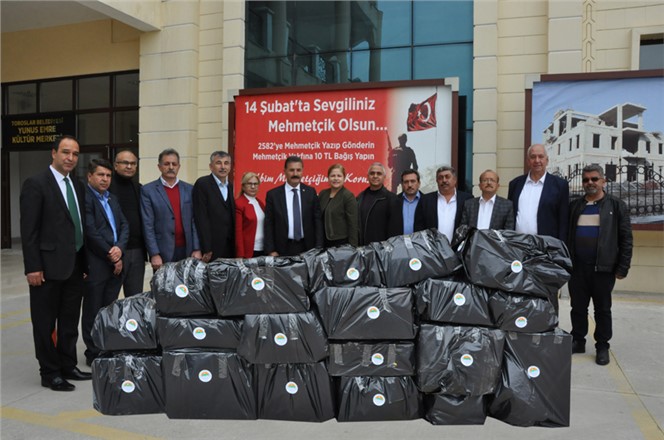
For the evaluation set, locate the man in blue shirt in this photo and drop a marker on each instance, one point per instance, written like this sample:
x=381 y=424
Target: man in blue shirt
x=413 y=218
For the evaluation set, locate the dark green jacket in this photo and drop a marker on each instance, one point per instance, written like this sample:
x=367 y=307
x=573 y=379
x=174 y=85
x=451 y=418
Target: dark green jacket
x=339 y=215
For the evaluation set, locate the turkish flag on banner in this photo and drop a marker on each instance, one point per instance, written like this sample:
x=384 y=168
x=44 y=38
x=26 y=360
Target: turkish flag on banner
x=422 y=116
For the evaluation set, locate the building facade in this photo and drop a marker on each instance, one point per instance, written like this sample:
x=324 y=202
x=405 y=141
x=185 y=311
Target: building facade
x=173 y=67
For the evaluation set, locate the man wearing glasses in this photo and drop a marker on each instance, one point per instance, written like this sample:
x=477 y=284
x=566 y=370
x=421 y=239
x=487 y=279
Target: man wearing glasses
x=127 y=190
x=600 y=244
x=490 y=211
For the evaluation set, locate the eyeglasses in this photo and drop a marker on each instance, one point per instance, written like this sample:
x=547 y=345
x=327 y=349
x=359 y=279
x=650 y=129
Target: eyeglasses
x=588 y=179
x=126 y=163
x=252 y=183
x=487 y=180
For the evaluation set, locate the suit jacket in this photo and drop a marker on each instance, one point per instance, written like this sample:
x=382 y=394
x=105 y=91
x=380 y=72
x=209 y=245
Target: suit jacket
x=385 y=217
x=339 y=215
x=502 y=216
x=553 y=208
x=418 y=223
x=99 y=235
x=214 y=217
x=159 y=219
x=246 y=223
x=47 y=229
x=430 y=207
x=276 y=219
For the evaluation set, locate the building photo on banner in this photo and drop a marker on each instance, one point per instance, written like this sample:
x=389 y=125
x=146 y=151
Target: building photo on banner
x=400 y=127
x=616 y=123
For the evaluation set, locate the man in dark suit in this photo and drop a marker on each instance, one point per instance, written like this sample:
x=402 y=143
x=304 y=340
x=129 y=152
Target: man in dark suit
x=541 y=200
x=293 y=222
x=54 y=257
x=214 y=209
x=411 y=197
x=168 y=214
x=489 y=211
x=106 y=236
x=127 y=191
x=443 y=208
x=379 y=209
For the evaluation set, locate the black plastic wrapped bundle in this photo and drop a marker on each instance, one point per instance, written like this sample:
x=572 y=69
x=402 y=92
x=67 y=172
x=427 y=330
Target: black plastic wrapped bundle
x=127 y=384
x=522 y=313
x=282 y=339
x=208 y=385
x=356 y=313
x=299 y=392
x=535 y=265
x=372 y=359
x=409 y=259
x=366 y=398
x=181 y=289
x=126 y=324
x=445 y=409
x=343 y=266
x=459 y=360
x=213 y=333
x=453 y=301
x=259 y=285
x=536 y=380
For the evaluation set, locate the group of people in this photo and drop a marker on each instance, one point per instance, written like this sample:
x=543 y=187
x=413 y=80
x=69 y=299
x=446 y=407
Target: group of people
x=86 y=242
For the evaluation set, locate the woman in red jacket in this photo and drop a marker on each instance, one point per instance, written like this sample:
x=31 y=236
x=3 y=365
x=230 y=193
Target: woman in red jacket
x=249 y=218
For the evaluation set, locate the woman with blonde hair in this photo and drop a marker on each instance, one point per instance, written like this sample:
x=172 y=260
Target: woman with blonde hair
x=339 y=208
x=249 y=218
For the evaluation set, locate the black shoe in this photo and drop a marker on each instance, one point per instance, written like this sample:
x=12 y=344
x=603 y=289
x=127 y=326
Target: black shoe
x=578 y=347
x=57 y=383
x=76 y=374
x=602 y=357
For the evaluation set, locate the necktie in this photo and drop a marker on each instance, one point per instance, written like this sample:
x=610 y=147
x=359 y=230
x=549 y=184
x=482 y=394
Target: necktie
x=73 y=211
x=297 y=217
x=109 y=214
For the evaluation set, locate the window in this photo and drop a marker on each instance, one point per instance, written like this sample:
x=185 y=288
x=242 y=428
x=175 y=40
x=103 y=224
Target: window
x=93 y=92
x=578 y=141
x=595 y=140
x=614 y=140
x=647 y=146
x=570 y=144
x=55 y=96
x=651 y=52
x=21 y=98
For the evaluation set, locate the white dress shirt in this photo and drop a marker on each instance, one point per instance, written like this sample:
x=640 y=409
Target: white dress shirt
x=446 y=215
x=223 y=187
x=526 y=218
x=260 y=220
x=485 y=212
x=289 y=207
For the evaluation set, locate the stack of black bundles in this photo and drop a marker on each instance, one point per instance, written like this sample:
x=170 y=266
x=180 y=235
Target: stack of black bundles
x=343 y=266
x=126 y=378
x=409 y=259
x=181 y=289
x=371 y=331
x=281 y=338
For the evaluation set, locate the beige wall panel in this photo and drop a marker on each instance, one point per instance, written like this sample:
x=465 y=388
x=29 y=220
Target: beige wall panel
x=512 y=158
x=169 y=91
x=485 y=105
x=484 y=136
x=642 y=279
x=169 y=65
x=233 y=60
x=565 y=62
x=211 y=36
x=522 y=64
x=210 y=130
x=211 y=52
x=209 y=115
x=613 y=39
x=171 y=117
x=521 y=8
x=511 y=120
x=512 y=45
x=565 y=34
x=535 y=44
x=485 y=12
x=510 y=139
x=78 y=49
x=485 y=40
x=233 y=33
x=233 y=9
x=210 y=99
x=567 y=8
x=516 y=27
x=210 y=83
x=485 y=72
x=210 y=68
x=509 y=102
x=211 y=21
x=511 y=83
x=618 y=59
x=211 y=7
x=170 y=39
x=179 y=12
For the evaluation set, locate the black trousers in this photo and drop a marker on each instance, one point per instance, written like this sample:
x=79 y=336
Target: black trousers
x=98 y=294
x=133 y=268
x=294 y=248
x=57 y=305
x=586 y=284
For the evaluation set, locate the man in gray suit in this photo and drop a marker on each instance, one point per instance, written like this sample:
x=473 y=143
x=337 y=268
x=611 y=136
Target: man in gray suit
x=489 y=211
x=168 y=214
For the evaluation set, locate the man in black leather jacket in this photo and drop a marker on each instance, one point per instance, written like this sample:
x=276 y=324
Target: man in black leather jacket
x=600 y=243
x=379 y=209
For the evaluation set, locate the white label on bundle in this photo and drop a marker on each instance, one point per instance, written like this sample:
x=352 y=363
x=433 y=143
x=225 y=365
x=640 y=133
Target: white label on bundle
x=379 y=400
x=521 y=321
x=533 y=371
x=131 y=325
x=353 y=274
x=415 y=264
x=291 y=388
x=205 y=376
x=181 y=290
x=128 y=386
x=459 y=299
x=517 y=266
x=280 y=339
x=199 y=333
x=257 y=283
x=373 y=312
x=377 y=359
x=466 y=360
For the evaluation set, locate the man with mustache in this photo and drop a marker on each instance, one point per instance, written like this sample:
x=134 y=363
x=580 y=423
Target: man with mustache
x=380 y=210
x=600 y=244
x=489 y=211
x=293 y=222
x=168 y=214
x=443 y=208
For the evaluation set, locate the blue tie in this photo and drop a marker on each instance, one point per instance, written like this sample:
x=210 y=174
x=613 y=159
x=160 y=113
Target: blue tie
x=297 y=217
x=109 y=215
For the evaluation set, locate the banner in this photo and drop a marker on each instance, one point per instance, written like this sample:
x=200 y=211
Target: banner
x=402 y=127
